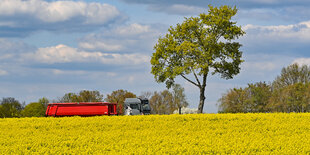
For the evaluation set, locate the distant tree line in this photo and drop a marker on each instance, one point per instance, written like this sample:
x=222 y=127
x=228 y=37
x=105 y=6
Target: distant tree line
x=164 y=102
x=289 y=92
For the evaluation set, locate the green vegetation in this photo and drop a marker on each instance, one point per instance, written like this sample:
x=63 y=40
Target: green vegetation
x=166 y=102
x=10 y=107
x=34 y=109
x=82 y=96
x=119 y=97
x=289 y=92
x=196 y=47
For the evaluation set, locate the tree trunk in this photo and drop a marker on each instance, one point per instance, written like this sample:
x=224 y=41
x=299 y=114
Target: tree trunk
x=202 y=94
x=202 y=100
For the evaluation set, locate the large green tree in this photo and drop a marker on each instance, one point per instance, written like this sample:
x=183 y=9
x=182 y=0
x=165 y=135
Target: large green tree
x=196 y=47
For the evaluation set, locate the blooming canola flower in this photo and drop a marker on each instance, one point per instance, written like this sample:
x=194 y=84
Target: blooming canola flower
x=276 y=133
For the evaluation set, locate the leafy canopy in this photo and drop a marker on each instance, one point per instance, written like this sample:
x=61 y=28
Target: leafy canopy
x=197 y=45
x=34 y=109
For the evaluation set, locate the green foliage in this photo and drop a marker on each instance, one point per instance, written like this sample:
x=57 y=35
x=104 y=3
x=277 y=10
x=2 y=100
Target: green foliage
x=234 y=101
x=292 y=98
x=166 y=102
x=179 y=98
x=10 y=107
x=44 y=101
x=34 y=109
x=162 y=103
x=259 y=95
x=254 y=98
x=119 y=97
x=82 y=96
x=198 y=45
x=289 y=92
x=291 y=75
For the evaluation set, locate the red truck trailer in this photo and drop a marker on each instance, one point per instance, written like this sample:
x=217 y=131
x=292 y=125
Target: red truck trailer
x=81 y=109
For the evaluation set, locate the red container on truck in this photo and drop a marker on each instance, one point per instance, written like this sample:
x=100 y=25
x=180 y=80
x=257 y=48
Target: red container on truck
x=81 y=109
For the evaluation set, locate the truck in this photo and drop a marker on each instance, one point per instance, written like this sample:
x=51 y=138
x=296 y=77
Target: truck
x=81 y=109
x=137 y=106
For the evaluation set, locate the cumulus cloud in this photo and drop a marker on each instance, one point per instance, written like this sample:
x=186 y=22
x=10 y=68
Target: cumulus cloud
x=10 y=51
x=128 y=38
x=11 y=47
x=100 y=45
x=34 y=15
x=178 y=9
x=66 y=54
x=253 y=10
x=239 y=3
x=93 y=74
x=260 y=66
x=302 y=61
x=300 y=31
x=131 y=30
x=291 y=39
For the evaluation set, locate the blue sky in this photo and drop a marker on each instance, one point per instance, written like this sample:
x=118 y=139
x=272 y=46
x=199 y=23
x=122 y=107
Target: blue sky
x=50 y=47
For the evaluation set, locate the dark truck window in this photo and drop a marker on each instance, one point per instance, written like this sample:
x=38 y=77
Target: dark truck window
x=145 y=101
x=134 y=106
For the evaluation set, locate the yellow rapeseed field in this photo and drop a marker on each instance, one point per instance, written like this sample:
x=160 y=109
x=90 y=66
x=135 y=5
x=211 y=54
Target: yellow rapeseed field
x=158 y=134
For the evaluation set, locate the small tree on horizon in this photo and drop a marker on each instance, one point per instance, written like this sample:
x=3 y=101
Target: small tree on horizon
x=10 y=107
x=82 y=96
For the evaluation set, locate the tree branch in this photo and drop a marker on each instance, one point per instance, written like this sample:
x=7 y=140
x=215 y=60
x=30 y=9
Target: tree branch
x=196 y=77
x=190 y=81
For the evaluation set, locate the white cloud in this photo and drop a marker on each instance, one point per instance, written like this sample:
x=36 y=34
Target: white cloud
x=100 y=45
x=132 y=30
x=260 y=66
x=61 y=54
x=128 y=38
x=70 y=72
x=240 y=3
x=93 y=74
x=26 y=16
x=178 y=9
x=59 y=11
x=11 y=47
x=10 y=51
x=300 y=31
x=302 y=61
x=66 y=54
